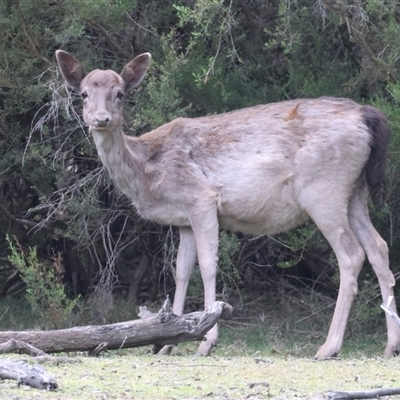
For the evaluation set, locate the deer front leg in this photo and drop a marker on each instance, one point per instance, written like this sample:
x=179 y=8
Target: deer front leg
x=206 y=233
x=185 y=261
x=184 y=267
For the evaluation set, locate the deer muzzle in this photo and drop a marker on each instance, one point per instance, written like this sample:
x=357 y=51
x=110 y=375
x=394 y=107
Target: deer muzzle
x=102 y=121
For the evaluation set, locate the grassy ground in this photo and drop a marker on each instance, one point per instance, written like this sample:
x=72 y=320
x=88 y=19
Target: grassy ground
x=133 y=376
x=237 y=370
x=262 y=353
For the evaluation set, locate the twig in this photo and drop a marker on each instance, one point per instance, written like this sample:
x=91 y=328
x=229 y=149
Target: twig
x=109 y=38
x=390 y=311
x=4 y=313
x=24 y=222
x=140 y=26
x=98 y=349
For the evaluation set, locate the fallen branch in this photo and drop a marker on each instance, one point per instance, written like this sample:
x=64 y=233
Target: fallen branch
x=161 y=328
x=367 y=394
x=18 y=346
x=25 y=374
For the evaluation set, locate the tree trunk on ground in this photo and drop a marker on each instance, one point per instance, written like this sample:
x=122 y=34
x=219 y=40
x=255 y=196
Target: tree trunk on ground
x=153 y=329
x=366 y=394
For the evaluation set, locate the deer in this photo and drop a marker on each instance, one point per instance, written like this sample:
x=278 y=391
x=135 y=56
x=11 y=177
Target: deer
x=260 y=170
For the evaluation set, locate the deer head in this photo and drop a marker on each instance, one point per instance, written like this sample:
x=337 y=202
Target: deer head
x=102 y=91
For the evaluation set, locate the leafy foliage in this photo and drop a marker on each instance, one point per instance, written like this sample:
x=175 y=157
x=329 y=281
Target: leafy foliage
x=45 y=290
x=209 y=56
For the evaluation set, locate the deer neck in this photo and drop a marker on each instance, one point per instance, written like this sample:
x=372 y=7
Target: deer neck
x=123 y=162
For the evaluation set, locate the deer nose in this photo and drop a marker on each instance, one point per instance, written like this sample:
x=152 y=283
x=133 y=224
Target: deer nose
x=102 y=120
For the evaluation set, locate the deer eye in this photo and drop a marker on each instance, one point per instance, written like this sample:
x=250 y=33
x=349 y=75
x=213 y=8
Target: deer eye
x=84 y=95
x=120 y=95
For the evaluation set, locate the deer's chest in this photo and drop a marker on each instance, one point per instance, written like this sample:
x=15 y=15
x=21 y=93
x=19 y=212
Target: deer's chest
x=162 y=213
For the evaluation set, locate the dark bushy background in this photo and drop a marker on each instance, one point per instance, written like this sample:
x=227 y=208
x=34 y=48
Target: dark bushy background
x=209 y=56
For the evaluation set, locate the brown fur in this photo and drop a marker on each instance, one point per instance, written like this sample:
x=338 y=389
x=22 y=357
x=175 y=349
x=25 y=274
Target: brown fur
x=293 y=113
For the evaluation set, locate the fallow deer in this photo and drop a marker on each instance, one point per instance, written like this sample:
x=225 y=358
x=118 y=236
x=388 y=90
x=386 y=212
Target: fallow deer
x=259 y=170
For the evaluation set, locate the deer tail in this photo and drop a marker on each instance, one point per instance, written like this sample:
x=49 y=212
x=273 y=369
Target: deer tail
x=378 y=126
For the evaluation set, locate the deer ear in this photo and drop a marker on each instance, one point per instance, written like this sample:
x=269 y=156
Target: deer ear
x=135 y=70
x=70 y=68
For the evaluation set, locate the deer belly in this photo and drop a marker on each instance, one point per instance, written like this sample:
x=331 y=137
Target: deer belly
x=262 y=221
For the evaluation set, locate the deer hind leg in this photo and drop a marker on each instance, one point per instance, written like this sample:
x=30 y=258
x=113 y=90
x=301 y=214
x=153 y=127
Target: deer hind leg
x=334 y=225
x=185 y=262
x=377 y=252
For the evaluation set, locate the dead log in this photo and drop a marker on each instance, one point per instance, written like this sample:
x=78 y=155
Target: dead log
x=25 y=374
x=366 y=394
x=161 y=328
x=17 y=346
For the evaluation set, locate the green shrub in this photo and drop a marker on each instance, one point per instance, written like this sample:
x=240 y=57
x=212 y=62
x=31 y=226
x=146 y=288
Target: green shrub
x=45 y=290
